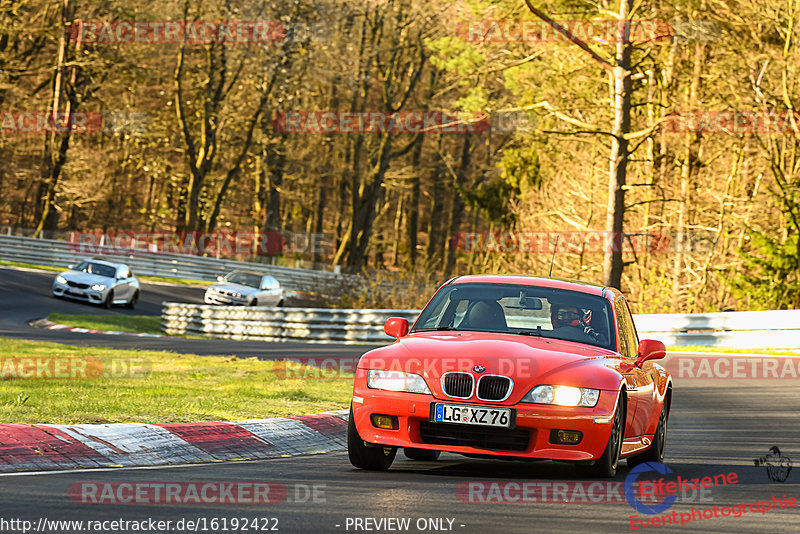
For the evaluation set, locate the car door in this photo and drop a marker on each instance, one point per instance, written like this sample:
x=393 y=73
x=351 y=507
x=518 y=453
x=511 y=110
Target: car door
x=639 y=381
x=123 y=288
x=267 y=295
x=274 y=291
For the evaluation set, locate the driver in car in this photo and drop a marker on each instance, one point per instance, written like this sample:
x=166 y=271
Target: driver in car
x=566 y=316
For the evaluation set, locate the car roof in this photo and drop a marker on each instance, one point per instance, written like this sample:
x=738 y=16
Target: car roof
x=555 y=283
x=245 y=271
x=104 y=262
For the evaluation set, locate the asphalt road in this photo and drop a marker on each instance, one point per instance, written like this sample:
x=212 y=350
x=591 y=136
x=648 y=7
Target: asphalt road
x=26 y=296
x=716 y=428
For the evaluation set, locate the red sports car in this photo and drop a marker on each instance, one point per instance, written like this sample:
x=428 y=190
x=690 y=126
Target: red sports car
x=513 y=367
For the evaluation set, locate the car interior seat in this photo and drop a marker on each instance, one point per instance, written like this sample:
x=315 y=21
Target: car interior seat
x=485 y=315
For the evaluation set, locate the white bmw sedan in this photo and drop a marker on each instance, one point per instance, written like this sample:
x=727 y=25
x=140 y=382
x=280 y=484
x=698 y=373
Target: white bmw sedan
x=98 y=282
x=248 y=288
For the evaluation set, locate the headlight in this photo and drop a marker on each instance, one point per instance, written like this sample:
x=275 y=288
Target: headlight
x=563 y=396
x=98 y=287
x=61 y=280
x=397 y=381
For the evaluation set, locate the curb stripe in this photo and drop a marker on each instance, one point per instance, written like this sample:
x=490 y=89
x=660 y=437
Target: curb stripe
x=58 y=447
x=223 y=441
x=329 y=425
x=295 y=437
x=135 y=444
x=24 y=447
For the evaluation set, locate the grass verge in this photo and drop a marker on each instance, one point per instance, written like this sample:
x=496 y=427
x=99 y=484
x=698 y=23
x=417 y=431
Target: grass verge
x=157 y=387
x=24 y=265
x=162 y=279
x=145 y=324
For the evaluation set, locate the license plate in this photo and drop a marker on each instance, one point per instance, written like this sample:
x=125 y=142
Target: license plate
x=472 y=415
x=77 y=292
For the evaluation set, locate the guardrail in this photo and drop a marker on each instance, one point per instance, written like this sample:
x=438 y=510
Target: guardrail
x=746 y=330
x=62 y=254
x=319 y=325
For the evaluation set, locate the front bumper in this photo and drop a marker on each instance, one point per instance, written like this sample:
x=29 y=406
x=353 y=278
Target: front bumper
x=530 y=438
x=85 y=295
x=224 y=300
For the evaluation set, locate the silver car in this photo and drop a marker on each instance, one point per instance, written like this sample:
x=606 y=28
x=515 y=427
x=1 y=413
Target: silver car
x=98 y=282
x=247 y=288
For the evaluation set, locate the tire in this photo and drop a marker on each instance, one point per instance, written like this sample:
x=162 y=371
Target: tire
x=134 y=300
x=109 y=300
x=364 y=457
x=606 y=465
x=254 y=302
x=424 y=455
x=656 y=451
x=280 y=303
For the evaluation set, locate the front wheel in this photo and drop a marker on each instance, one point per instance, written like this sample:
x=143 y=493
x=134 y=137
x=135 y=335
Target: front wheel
x=606 y=465
x=374 y=458
x=109 y=300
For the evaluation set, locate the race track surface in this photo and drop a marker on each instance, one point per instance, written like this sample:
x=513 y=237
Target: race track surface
x=717 y=427
x=714 y=429
x=26 y=296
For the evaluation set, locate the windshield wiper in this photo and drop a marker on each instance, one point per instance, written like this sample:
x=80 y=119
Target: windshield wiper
x=537 y=332
x=435 y=329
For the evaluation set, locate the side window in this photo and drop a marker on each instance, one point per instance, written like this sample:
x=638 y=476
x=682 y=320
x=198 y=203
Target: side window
x=627 y=333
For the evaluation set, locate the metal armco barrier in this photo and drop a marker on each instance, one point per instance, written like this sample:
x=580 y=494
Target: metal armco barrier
x=280 y=324
x=746 y=330
x=61 y=254
x=778 y=329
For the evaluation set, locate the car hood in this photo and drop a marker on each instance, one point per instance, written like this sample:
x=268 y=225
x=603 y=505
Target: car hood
x=236 y=288
x=527 y=360
x=87 y=278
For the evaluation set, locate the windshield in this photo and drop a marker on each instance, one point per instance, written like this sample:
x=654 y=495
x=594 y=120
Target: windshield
x=96 y=268
x=245 y=279
x=521 y=309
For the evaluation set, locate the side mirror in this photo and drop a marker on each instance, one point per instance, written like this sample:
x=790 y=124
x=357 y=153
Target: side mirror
x=70 y=266
x=220 y=278
x=396 y=327
x=650 y=349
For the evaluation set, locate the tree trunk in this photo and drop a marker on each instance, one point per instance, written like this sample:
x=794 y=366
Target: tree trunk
x=618 y=161
x=412 y=220
x=457 y=211
x=688 y=169
x=53 y=164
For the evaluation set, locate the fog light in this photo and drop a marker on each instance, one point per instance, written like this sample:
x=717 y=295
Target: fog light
x=566 y=437
x=387 y=422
